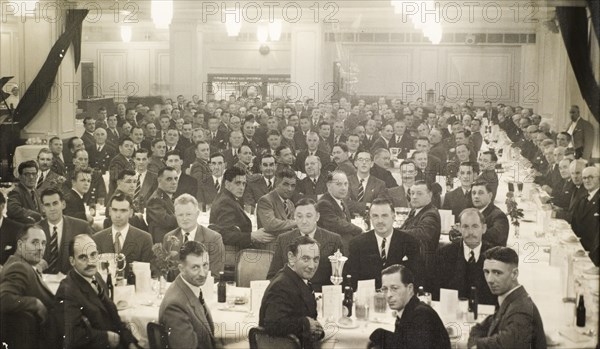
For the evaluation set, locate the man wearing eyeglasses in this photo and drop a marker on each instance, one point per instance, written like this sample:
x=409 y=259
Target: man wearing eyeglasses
x=585 y=216
x=417 y=324
x=363 y=187
x=24 y=205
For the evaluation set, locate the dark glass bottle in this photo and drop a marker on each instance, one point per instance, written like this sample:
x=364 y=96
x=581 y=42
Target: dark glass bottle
x=221 y=288
x=580 y=322
x=110 y=287
x=473 y=301
x=348 y=301
x=131 y=278
x=348 y=282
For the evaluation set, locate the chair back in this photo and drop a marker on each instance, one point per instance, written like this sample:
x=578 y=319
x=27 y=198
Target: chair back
x=252 y=265
x=158 y=336
x=259 y=339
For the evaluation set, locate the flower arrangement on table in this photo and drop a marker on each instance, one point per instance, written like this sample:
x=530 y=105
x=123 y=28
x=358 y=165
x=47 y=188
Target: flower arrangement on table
x=166 y=258
x=514 y=212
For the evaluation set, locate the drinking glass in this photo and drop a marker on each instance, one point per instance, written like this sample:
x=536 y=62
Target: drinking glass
x=230 y=293
x=380 y=303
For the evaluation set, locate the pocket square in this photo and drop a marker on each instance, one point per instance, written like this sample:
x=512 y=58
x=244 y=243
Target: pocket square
x=8 y=247
x=596 y=214
x=405 y=258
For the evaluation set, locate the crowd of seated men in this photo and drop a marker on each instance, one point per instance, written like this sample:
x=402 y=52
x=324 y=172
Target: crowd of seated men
x=305 y=169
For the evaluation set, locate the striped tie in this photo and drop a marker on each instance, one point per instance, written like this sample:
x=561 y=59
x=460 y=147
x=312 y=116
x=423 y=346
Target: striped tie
x=286 y=209
x=138 y=187
x=117 y=245
x=186 y=238
x=361 y=191
x=40 y=181
x=53 y=246
x=270 y=185
x=217 y=186
x=383 y=254
x=471 y=258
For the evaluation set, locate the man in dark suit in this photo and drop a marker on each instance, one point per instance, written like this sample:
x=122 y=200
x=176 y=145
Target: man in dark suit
x=576 y=187
x=22 y=290
x=59 y=230
x=381 y=163
x=200 y=169
x=487 y=165
x=418 y=326
x=101 y=153
x=438 y=147
x=56 y=147
x=8 y=232
x=402 y=139
x=148 y=182
x=585 y=222
x=182 y=310
x=97 y=187
x=160 y=212
x=371 y=135
x=114 y=133
x=306 y=217
x=314 y=184
x=288 y=305
x=517 y=322
x=89 y=124
x=363 y=187
x=185 y=184
x=211 y=186
x=230 y=154
x=275 y=210
x=217 y=139
x=74 y=199
x=312 y=144
x=383 y=246
x=460 y=198
x=121 y=237
x=88 y=317
x=24 y=204
x=384 y=140
x=186 y=213
x=260 y=184
x=400 y=195
x=459 y=264
x=495 y=220
x=334 y=213
x=158 y=151
x=120 y=162
x=46 y=177
x=227 y=214
x=582 y=132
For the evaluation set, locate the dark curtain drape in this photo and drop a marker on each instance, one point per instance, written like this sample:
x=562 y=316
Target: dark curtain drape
x=37 y=93
x=574 y=29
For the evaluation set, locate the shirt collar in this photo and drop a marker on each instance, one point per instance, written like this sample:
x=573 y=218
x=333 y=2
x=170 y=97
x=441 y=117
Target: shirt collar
x=591 y=195
x=195 y=289
x=501 y=298
x=58 y=225
x=483 y=209
x=467 y=251
x=122 y=231
x=311 y=234
x=192 y=233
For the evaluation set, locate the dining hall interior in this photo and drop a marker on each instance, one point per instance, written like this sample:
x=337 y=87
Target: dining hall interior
x=277 y=125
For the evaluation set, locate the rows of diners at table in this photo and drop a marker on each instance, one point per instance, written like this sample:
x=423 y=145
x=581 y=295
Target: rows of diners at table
x=427 y=208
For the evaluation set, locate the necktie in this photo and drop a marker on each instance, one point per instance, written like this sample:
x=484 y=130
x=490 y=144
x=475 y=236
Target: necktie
x=397 y=325
x=53 y=250
x=35 y=204
x=361 y=190
x=118 y=243
x=471 y=257
x=383 y=254
x=217 y=186
x=286 y=209
x=269 y=185
x=40 y=181
x=186 y=238
x=411 y=214
x=98 y=287
x=138 y=187
x=116 y=133
x=314 y=180
x=343 y=209
x=99 y=148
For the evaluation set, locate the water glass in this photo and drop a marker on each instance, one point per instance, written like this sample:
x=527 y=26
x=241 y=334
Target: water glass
x=379 y=302
x=230 y=293
x=362 y=311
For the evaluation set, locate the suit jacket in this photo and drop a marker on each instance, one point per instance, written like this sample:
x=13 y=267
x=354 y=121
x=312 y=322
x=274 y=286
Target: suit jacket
x=583 y=138
x=399 y=196
x=220 y=140
x=497 y=226
x=88 y=139
x=112 y=136
x=477 y=141
x=451 y=273
x=406 y=143
x=137 y=246
x=330 y=243
x=207 y=191
x=21 y=207
x=155 y=164
x=71 y=228
x=255 y=189
x=229 y=158
x=186 y=185
x=270 y=214
x=299 y=140
x=188 y=322
x=425 y=226
x=8 y=238
x=364 y=261
x=380 y=143
x=160 y=215
x=516 y=324
x=75 y=205
x=385 y=175
x=118 y=164
x=307 y=188
x=58 y=166
x=491 y=177
x=368 y=144
x=148 y=187
x=456 y=200
x=375 y=188
x=420 y=327
x=576 y=195
x=332 y=218
x=585 y=221
x=52 y=180
x=101 y=159
x=286 y=304
x=200 y=170
x=347 y=168
x=87 y=316
x=227 y=217
x=302 y=155
x=440 y=151
x=211 y=240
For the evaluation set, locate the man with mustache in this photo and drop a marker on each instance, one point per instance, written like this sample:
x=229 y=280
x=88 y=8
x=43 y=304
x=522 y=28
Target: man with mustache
x=183 y=311
x=88 y=316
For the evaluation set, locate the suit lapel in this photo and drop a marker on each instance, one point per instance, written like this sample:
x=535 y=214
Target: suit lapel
x=202 y=315
x=87 y=289
x=589 y=205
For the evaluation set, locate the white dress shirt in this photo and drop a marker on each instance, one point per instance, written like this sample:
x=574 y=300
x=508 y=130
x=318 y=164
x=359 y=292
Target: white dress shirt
x=388 y=240
x=192 y=234
x=59 y=231
x=467 y=252
x=123 y=232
